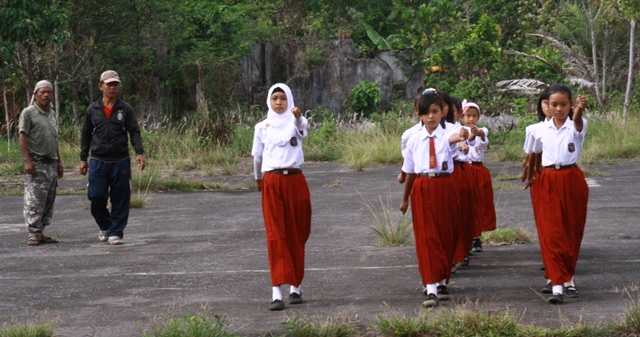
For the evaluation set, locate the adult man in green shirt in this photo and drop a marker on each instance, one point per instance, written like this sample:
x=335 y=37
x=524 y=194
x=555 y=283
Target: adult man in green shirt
x=42 y=165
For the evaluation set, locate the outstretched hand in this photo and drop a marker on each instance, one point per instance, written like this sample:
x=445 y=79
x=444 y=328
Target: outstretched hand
x=296 y=112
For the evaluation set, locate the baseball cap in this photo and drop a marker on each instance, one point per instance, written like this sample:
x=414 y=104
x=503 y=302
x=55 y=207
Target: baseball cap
x=109 y=76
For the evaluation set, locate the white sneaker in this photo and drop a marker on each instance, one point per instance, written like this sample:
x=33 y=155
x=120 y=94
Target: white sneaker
x=115 y=240
x=103 y=236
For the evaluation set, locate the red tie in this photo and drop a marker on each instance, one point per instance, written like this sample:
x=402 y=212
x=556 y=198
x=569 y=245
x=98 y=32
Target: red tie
x=432 y=153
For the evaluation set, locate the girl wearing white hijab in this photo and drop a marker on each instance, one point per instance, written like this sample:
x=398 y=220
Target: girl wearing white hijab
x=286 y=202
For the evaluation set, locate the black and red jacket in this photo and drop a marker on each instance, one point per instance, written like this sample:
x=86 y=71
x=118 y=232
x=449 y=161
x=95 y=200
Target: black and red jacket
x=107 y=139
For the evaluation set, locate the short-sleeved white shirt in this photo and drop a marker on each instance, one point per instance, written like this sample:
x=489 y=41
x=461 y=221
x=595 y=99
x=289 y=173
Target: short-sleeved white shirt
x=477 y=146
x=406 y=135
x=283 y=154
x=558 y=147
x=417 y=154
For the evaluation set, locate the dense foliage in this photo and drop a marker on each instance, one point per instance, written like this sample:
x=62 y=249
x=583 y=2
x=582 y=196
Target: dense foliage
x=164 y=48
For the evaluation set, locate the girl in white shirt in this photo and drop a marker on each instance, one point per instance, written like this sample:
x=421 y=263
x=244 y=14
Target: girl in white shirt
x=562 y=186
x=286 y=202
x=428 y=164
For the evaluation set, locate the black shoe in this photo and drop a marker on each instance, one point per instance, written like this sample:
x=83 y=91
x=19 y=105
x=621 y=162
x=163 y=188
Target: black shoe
x=476 y=247
x=295 y=298
x=555 y=299
x=466 y=262
x=547 y=289
x=443 y=294
x=431 y=301
x=276 y=305
x=571 y=291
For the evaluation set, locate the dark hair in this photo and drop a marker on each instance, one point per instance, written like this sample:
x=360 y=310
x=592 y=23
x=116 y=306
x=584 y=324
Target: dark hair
x=425 y=101
x=277 y=89
x=457 y=103
x=418 y=94
x=446 y=99
x=544 y=95
x=561 y=88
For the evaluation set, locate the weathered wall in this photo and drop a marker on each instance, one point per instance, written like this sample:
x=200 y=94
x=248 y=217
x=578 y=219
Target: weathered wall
x=328 y=86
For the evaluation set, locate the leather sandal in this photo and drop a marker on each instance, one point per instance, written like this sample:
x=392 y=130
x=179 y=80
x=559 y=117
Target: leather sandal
x=34 y=240
x=46 y=239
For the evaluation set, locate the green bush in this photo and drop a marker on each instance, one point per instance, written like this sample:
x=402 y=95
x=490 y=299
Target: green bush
x=365 y=97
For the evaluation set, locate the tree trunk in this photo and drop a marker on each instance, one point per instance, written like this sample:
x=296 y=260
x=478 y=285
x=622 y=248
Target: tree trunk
x=630 y=74
x=6 y=116
x=76 y=107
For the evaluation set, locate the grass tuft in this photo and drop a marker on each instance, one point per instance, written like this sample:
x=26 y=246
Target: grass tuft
x=392 y=230
x=340 y=326
x=14 y=329
x=198 y=325
x=507 y=236
x=402 y=326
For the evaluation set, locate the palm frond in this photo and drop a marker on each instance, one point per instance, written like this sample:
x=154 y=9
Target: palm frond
x=581 y=82
x=556 y=67
x=522 y=86
x=578 y=63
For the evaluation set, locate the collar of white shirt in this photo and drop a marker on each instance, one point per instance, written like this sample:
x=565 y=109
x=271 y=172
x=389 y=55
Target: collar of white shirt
x=438 y=132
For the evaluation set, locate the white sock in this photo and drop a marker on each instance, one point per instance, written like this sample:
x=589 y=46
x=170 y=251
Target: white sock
x=277 y=294
x=295 y=289
x=431 y=288
x=570 y=283
x=442 y=283
x=557 y=289
x=548 y=281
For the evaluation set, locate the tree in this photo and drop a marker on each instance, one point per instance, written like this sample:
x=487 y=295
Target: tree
x=631 y=10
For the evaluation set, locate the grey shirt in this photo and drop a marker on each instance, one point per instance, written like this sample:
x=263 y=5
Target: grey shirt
x=42 y=131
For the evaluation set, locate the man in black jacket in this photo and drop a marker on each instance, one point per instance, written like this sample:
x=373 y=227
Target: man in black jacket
x=104 y=133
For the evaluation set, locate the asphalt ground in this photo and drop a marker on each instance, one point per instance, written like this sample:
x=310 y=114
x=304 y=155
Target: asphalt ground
x=188 y=250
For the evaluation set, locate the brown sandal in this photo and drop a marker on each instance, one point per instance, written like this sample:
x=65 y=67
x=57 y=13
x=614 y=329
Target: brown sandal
x=34 y=240
x=46 y=239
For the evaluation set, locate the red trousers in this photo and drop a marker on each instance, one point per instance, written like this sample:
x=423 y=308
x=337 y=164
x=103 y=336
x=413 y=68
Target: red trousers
x=286 y=206
x=462 y=177
x=484 y=208
x=563 y=196
x=434 y=209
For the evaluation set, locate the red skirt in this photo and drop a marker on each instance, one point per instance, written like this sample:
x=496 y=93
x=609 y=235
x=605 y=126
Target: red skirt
x=484 y=208
x=463 y=178
x=434 y=210
x=535 y=200
x=286 y=206
x=562 y=215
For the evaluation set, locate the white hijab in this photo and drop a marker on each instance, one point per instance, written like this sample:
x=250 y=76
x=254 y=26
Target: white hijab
x=279 y=127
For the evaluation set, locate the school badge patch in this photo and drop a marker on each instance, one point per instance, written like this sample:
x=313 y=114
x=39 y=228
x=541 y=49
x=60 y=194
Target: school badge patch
x=119 y=115
x=572 y=147
x=478 y=151
x=445 y=165
x=293 y=141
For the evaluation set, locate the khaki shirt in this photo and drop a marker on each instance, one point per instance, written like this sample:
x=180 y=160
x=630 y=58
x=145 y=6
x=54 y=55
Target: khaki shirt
x=42 y=132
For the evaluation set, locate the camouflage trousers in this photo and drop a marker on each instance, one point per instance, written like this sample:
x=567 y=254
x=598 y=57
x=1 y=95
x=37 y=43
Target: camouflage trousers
x=39 y=196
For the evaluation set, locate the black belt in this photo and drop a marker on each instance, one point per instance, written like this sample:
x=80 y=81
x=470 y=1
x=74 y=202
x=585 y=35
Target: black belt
x=475 y=163
x=459 y=162
x=286 y=172
x=435 y=174
x=561 y=167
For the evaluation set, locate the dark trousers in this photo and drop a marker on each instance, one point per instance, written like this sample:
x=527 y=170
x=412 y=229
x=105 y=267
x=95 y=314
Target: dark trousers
x=110 y=181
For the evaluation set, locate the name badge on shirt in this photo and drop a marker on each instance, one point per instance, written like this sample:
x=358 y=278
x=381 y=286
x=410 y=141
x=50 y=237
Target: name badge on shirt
x=478 y=151
x=445 y=165
x=572 y=147
x=293 y=141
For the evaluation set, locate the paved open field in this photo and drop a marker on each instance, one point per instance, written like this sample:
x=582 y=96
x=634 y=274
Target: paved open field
x=186 y=250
